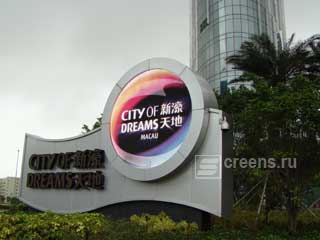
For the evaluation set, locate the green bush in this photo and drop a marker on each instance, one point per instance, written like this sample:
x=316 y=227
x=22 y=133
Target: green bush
x=52 y=226
x=15 y=205
x=163 y=223
x=49 y=226
x=246 y=219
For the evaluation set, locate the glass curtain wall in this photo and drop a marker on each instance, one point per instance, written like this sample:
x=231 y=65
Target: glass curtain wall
x=220 y=26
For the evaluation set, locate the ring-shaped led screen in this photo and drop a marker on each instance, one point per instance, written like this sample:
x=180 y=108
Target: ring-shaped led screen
x=151 y=118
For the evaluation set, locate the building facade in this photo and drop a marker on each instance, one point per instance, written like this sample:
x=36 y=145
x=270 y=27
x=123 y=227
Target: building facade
x=9 y=187
x=218 y=28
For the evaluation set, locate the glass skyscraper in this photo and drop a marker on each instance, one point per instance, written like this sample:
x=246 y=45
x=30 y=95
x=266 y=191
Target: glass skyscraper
x=218 y=27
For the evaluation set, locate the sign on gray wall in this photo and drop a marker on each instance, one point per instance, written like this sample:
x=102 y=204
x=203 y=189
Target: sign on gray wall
x=160 y=140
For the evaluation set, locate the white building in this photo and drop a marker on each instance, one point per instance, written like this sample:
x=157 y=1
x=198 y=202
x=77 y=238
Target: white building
x=9 y=187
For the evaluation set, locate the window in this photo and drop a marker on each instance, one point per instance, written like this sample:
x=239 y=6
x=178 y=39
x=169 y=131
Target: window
x=256 y=29
x=222 y=45
x=244 y=10
x=229 y=26
x=221 y=3
x=244 y=2
x=221 y=12
x=211 y=51
x=237 y=43
x=223 y=67
x=216 y=67
x=216 y=47
x=236 y=25
x=244 y=25
x=223 y=87
x=215 y=31
x=236 y=9
x=228 y=2
x=211 y=69
x=230 y=46
x=251 y=28
x=222 y=28
x=250 y=12
x=229 y=10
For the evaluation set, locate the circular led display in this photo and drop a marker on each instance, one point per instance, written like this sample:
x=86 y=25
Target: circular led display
x=150 y=118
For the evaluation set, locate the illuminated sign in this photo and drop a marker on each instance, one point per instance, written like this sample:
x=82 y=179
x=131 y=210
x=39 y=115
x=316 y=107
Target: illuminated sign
x=151 y=118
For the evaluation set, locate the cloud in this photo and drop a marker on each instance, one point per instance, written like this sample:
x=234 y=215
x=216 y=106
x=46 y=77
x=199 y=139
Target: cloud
x=60 y=59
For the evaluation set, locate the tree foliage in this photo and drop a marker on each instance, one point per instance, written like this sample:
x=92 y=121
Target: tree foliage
x=279 y=116
x=97 y=124
x=261 y=57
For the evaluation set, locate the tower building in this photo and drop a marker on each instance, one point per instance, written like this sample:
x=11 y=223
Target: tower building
x=218 y=28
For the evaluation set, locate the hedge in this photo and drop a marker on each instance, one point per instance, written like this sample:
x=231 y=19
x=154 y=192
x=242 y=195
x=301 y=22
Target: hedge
x=149 y=227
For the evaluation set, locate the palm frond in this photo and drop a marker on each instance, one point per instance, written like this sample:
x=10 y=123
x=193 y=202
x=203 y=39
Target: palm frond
x=259 y=56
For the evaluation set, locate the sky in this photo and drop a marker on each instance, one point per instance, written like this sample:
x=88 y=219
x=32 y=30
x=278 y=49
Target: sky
x=60 y=59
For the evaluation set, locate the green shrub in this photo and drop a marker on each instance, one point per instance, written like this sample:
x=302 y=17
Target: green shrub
x=162 y=223
x=49 y=226
x=15 y=205
x=138 y=229
x=246 y=219
x=52 y=226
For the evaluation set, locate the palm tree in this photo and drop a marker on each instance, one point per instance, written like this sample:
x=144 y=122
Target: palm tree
x=314 y=45
x=260 y=56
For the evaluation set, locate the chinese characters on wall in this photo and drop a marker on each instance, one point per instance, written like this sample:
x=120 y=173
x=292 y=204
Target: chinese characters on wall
x=65 y=178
